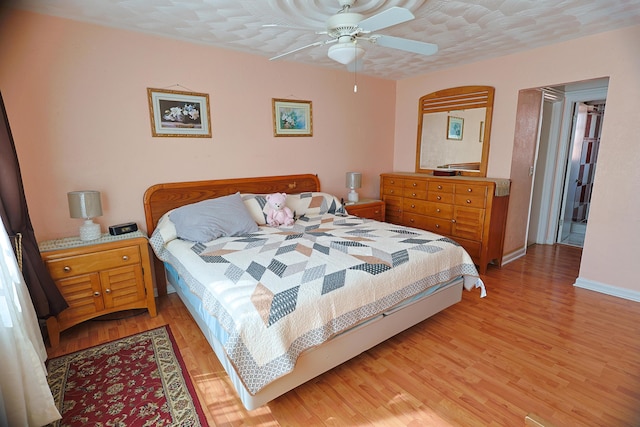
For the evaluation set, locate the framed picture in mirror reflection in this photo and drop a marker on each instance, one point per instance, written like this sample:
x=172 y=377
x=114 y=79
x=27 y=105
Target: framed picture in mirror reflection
x=454 y=128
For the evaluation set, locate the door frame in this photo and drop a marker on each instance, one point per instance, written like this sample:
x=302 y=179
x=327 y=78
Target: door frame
x=549 y=223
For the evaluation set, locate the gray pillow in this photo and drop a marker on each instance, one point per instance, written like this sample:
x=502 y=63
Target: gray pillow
x=209 y=219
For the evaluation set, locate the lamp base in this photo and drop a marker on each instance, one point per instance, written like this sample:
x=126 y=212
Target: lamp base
x=90 y=231
x=353 y=196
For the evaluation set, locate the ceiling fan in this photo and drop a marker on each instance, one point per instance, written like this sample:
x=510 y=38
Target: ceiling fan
x=346 y=29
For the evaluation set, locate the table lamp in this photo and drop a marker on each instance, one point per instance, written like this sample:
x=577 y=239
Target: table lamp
x=87 y=205
x=354 y=180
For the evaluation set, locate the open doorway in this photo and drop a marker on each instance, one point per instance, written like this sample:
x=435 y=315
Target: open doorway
x=582 y=161
x=564 y=169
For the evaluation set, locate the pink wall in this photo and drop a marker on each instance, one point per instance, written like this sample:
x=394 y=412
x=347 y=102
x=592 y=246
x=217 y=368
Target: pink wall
x=77 y=104
x=613 y=234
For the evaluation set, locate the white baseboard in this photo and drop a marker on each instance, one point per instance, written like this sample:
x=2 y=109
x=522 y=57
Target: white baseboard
x=512 y=256
x=607 y=289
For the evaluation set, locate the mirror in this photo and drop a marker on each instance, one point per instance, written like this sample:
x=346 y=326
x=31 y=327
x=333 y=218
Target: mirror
x=454 y=126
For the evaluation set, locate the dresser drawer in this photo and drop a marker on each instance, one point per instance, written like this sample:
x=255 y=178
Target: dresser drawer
x=414 y=206
x=441 y=187
x=438 y=225
x=392 y=182
x=412 y=193
x=439 y=210
x=87 y=263
x=415 y=184
x=440 y=197
x=472 y=190
x=392 y=191
x=414 y=220
x=470 y=200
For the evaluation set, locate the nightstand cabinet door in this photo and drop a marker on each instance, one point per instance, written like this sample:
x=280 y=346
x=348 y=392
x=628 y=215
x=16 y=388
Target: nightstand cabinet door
x=122 y=286
x=84 y=296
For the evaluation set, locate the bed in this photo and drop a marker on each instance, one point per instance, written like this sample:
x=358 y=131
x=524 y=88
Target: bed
x=281 y=305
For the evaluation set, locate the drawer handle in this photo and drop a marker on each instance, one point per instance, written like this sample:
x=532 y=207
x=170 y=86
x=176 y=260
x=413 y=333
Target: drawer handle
x=437 y=225
x=439 y=198
x=415 y=184
x=413 y=206
x=469 y=190
x=392 y=192
x=438 y=210
x=439 y=187
x=468 y=201
x=413 y=194
x=377 y=212
x=96 y=294
x=392 y=181
x=66 y=269
x=411 y=220
x=125 y=257
x=453 y=220
x=108 y=291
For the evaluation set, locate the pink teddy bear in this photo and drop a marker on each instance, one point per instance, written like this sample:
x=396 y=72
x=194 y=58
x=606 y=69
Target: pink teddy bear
x=278 y=213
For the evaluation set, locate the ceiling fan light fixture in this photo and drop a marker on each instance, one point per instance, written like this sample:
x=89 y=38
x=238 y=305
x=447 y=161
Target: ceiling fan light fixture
x=345 y=53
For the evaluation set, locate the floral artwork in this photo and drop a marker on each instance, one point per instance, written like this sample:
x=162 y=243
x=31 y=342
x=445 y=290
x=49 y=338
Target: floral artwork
x=176 y=113
x=292 y=118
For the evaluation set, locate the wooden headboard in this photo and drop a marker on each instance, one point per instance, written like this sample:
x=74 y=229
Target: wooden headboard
x=161 y=198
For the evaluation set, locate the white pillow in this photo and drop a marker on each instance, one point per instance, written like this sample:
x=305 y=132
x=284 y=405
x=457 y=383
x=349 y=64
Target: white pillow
x=313 y=204
x=256 y=204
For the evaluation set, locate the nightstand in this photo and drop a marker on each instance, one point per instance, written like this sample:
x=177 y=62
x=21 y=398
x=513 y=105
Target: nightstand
x=367 y=208
x=97 y=277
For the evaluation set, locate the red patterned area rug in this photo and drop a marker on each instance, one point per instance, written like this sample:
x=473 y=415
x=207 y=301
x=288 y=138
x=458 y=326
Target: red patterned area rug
x=139 y=380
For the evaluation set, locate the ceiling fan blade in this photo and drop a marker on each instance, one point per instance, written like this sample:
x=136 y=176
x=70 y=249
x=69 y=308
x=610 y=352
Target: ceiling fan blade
x=407 y=45
x=302 y=48
x=387 y=18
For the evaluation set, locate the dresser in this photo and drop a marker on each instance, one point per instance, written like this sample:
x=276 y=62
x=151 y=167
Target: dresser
x=367 y=208
x=471 y=211
x=98 y=277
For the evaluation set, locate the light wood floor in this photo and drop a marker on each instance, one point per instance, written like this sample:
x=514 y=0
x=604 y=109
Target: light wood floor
x=535 y=345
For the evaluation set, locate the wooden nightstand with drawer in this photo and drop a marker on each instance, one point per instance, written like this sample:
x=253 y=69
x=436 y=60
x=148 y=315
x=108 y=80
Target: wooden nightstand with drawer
x=98 y=277
x=367 y=208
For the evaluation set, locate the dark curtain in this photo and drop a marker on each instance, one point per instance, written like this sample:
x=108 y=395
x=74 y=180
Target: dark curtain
x=47 y=299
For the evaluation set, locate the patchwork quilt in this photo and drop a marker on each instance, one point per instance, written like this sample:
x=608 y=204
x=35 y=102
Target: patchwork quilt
x=281 y=291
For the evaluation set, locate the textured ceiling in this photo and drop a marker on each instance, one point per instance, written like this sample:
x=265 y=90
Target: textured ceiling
x=465 y=31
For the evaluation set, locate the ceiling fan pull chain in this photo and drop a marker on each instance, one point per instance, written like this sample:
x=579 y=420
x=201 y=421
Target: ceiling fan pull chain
x=355 y=70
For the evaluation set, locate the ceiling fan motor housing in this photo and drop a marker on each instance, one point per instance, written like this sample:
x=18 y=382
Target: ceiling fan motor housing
x=344 y=24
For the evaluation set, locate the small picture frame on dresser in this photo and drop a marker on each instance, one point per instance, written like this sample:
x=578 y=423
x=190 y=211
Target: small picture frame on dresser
x=454 y=128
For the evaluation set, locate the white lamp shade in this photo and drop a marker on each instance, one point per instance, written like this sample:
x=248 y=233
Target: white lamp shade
x=354 y=179
x=345 y=53
x=84 y=204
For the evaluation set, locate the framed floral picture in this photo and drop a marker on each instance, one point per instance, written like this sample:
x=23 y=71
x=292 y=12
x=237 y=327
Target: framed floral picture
x=454 y=128
x=179 y=114
x=292 y=118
